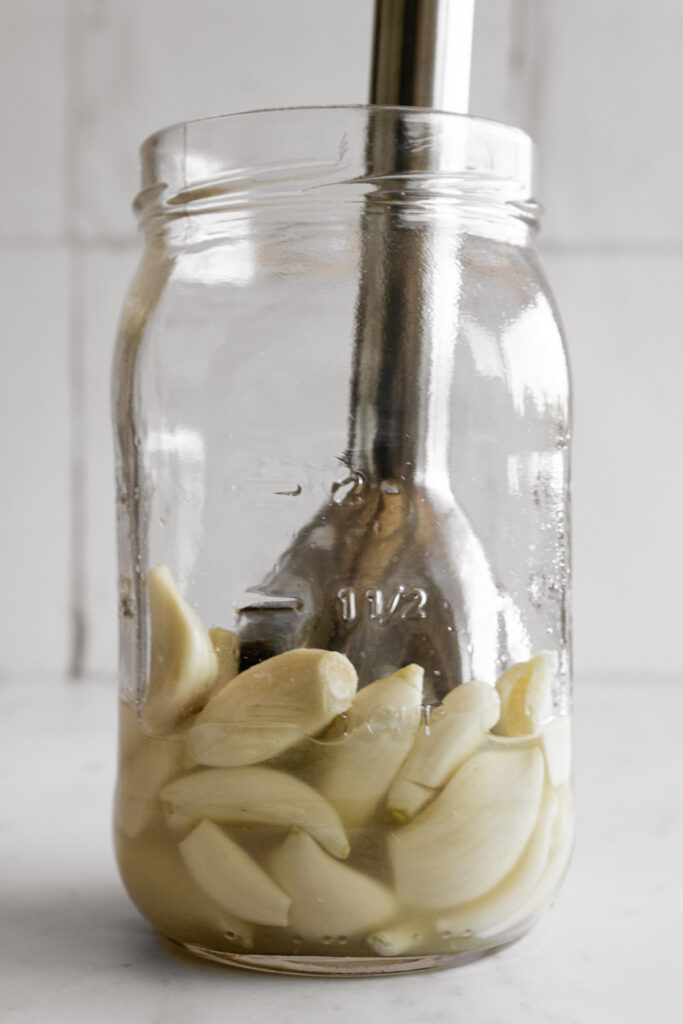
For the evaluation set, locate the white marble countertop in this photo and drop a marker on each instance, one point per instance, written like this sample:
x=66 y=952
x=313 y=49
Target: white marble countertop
x=72 y=947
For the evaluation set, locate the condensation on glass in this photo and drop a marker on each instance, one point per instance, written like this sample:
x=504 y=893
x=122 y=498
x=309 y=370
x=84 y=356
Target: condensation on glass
x=342 y=435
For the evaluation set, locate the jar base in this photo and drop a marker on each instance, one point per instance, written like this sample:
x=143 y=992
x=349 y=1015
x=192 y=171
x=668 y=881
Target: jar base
x=340 y=967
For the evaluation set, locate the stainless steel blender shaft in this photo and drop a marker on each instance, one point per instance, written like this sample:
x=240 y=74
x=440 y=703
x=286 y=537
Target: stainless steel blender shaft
x=422 y=54
x=392 y=572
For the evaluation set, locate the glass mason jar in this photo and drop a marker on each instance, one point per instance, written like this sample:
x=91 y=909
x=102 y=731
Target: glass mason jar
x=342 y=426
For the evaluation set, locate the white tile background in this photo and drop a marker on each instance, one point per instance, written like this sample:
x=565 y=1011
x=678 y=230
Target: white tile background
x=83 y=81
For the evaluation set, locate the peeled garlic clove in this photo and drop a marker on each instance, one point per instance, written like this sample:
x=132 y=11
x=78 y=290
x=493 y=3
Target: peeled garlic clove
x=254 y=795
x=495 y=742
x=398 y=696
x=399 y=938
x=382 y=722
x=183 y=664
x=226 y=644
x=272 y=706
x=472 y=834
x=150 y=764
x=439 y=750
x=556 y=743
x=526 y=695
x=406 y=798
x=449 y=743
x=455 y=732
x=561 y=843
x=161 y=887
x=478 y=698
x=215 y=743
x=231 y=878
x=328 y=898
x=496 y=906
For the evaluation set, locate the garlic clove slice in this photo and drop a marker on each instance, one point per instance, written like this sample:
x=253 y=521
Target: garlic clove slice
x=272 y=706
x=561 y=843
x=253 y=795
x=329 y=899
x=525 y=693
x=477 y=698
x=473 y=833
x=439 y=750
x=183 y=664
x=556 y=743
x=231 y=878
x=226 y=644
x=500 y=902
x=382 y=722
x=400 y=937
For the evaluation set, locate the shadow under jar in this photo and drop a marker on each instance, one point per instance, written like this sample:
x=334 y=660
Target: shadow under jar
x=342 y=427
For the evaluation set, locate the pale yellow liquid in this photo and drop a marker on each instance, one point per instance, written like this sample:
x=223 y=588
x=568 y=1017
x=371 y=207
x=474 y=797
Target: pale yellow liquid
x=165 y=893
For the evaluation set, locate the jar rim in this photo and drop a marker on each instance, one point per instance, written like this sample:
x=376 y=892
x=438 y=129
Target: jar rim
x=284 y=150
x=175 y=126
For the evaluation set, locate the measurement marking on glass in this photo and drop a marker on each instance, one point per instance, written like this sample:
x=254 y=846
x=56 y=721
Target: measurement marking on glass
x=405 y=603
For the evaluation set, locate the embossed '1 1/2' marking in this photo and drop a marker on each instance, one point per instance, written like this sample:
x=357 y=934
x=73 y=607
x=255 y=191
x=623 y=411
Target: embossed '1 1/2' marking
x=405 y=603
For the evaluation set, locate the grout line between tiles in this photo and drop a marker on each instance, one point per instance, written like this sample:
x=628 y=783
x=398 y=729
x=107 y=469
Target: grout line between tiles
x=79 y=525
x=76 y=350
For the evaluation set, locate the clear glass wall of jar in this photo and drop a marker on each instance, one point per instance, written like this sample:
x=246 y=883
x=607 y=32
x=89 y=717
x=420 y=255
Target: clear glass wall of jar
x=342 y=427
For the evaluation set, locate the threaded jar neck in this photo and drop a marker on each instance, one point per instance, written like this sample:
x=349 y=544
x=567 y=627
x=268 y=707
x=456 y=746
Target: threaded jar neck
x=420 y=160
